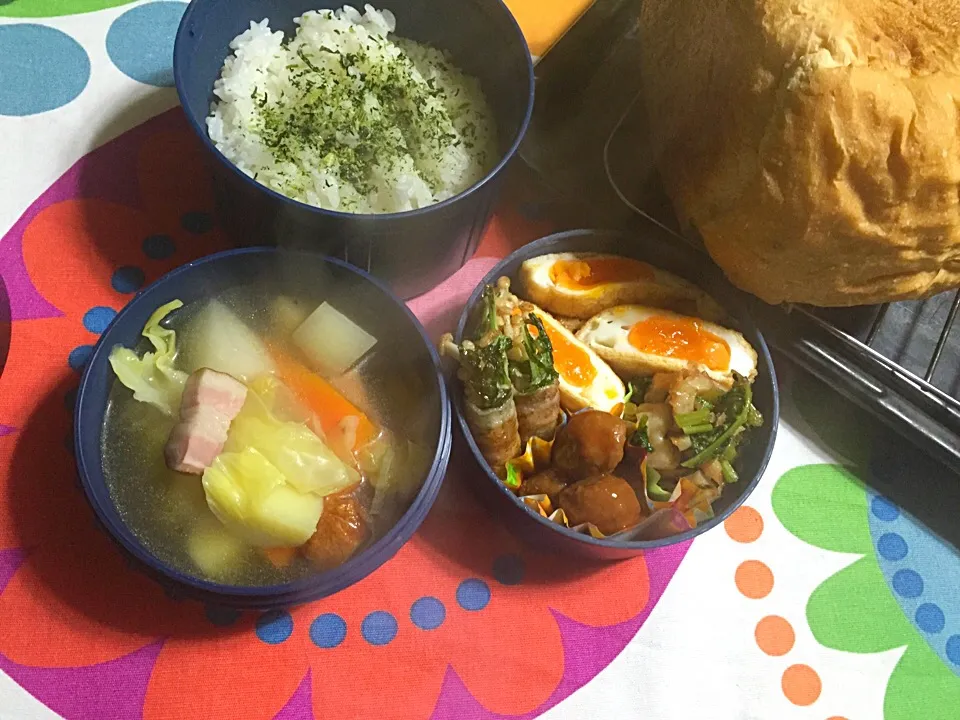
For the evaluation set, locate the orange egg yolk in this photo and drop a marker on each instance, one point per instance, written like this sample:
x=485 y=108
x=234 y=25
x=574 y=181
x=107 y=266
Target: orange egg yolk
x=681 y=338
x=571 y=362
x=590 y=272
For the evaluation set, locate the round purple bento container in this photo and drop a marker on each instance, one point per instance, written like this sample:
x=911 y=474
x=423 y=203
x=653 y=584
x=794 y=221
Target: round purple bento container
x=667 y=254
x=374 y=307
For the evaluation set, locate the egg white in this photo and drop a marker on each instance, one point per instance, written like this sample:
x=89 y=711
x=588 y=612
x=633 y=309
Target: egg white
x=662 y=289
x=604 y=392
x=537 y=273
x=608 y=334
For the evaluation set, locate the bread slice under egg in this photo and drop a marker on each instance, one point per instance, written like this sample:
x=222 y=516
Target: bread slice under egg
x=607 y=335
x=658 y=289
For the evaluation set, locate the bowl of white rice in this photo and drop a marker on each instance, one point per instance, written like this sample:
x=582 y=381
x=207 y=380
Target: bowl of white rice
x=375 y=133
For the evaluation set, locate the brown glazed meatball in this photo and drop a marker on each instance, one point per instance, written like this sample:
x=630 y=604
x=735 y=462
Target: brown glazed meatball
x=591 y=443
x=549 y=482
x=606 y=501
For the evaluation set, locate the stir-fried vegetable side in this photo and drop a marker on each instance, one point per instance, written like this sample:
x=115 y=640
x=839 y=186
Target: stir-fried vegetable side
x=708 y=438
x=713 y=430
x=718 y=431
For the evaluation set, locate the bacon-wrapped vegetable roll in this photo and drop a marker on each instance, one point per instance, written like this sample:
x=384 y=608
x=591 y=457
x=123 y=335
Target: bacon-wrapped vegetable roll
x=487 y=391
x=536 y=382
x=530 y=358
x=496 y=433
x=538 y=413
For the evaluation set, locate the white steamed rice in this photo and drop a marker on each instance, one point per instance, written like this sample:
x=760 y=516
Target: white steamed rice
x=346 y=117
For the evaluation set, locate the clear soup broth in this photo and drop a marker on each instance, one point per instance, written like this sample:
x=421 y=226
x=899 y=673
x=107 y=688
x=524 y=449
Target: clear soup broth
x=390 y=386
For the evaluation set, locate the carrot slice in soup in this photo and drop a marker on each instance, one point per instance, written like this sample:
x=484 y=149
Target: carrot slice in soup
x=280 y=557
x=321 y=398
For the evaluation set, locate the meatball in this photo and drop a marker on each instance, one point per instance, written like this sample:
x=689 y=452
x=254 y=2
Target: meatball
x=341 y=530
x=607 y=501
x=549 y=482
x=591 y=443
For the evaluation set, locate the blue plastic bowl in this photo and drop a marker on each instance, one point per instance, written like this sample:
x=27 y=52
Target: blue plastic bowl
x=370 y=302
x=411 y=251
x=680 y=260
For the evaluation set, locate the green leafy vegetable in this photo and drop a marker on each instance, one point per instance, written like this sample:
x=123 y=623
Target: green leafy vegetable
x=536 y=370
x=513 y=479
x=484 y=368
x=640 y=437
x=152 y=378
x=638 y=388
x=695 y=422
x=711 y=396
x=693 y=418
x=629 y=405
x=754 y=418
x=488 y=323
x=485 y=373
x=734 y=410
x=729 y=474
x=729 y=453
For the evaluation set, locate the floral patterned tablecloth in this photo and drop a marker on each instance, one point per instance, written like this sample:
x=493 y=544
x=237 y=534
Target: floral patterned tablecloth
x=821 y=598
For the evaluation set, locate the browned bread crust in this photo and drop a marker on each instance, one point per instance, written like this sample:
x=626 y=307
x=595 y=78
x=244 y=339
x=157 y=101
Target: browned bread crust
x=815 y=144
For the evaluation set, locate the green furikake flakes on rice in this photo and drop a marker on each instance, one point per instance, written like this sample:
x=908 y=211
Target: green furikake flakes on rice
x=346 y=117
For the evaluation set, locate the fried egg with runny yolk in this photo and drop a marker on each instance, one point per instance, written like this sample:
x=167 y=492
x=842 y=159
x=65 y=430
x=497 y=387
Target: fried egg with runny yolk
x=586 y=381
x=639 y=340
x=580 y=285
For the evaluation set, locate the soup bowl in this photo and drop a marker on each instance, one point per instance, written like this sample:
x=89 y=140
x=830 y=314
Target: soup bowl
x=403 y=349
x=411 y=251
x=651 y=247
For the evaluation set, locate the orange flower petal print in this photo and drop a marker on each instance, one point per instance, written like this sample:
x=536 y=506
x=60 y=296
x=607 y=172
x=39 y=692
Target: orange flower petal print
x=91 y=238
x=233 y=674
x=72 y=590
